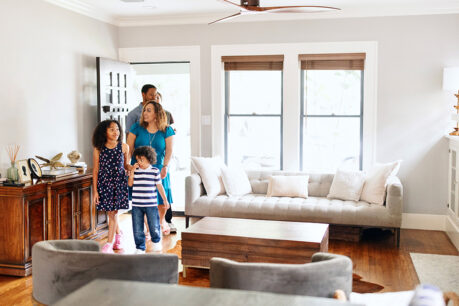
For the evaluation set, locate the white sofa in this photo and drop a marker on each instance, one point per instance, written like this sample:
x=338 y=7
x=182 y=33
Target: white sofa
x=316 y=208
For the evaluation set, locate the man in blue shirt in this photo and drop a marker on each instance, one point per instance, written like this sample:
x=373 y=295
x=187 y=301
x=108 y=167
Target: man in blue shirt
x=150 y=93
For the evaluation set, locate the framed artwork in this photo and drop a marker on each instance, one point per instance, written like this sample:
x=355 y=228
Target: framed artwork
x=24 y=171
x=34 y=167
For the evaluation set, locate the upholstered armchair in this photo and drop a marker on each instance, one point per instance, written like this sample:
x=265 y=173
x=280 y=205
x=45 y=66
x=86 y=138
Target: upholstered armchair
x=325 y=274
x=59 y=267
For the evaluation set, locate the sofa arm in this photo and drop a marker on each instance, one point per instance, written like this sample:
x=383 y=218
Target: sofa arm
x=193 y=190
x=394 y=196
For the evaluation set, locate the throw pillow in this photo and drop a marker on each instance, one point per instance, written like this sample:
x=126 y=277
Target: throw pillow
x=347 y=185
x=374 y=189
x=210 y=170
x=288 y=186
x=236 y=181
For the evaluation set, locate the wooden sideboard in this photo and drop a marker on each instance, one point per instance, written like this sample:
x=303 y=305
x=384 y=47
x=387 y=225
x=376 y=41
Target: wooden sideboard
x=45 y=210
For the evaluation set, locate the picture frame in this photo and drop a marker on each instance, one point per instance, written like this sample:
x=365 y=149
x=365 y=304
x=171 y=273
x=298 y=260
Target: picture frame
x=24 y=171
x=35 y=169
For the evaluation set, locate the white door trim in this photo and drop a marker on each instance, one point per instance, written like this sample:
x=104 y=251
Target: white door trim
x=190 y=54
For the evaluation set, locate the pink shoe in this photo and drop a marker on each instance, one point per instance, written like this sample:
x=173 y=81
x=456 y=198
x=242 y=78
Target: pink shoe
x=107 y=248
x=117 y=245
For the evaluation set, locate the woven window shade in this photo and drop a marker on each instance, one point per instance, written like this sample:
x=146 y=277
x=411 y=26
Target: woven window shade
x=341 y=61
x=253 y=62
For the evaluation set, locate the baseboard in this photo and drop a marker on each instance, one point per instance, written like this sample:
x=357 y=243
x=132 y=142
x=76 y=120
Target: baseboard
x=452 y=231
x=424 y=222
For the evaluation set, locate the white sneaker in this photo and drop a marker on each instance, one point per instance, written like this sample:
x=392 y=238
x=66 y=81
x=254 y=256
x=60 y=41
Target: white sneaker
x=139 y=251
x=157 y=246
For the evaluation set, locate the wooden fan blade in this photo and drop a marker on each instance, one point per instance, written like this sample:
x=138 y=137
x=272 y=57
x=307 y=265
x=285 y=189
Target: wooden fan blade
x=226 y=18
x=239 y=6
x=298 y=9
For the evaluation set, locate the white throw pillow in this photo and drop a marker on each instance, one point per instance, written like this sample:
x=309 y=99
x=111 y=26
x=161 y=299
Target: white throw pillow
x=347 y=185
x=210 y=170
x=374 y=189
x=288 y=186
x=236 y=181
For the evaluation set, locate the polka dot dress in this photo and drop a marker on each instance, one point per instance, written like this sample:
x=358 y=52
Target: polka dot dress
x=112 y=180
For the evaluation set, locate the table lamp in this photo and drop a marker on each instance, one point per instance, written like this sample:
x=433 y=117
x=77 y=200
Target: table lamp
x=451 y=83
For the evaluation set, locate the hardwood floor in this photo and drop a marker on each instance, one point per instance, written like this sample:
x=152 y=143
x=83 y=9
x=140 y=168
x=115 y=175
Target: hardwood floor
x=375 y=258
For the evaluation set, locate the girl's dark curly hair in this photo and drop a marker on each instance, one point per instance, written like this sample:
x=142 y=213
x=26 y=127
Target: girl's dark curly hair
x=148 y=152
x=99 y=137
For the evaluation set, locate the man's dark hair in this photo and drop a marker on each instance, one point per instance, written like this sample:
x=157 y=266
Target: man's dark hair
x=147 y=87
x=148 y=152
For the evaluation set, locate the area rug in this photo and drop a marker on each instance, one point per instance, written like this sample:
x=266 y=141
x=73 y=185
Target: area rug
x=438 y=270
x=200 y=277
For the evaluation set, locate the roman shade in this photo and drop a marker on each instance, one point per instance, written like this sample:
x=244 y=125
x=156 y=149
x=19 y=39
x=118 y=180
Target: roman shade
x=332 y=61
x=253 y=62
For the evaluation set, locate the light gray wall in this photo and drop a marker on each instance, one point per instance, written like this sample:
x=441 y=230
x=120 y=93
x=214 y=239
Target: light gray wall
x=412 y=111
x=48 y=78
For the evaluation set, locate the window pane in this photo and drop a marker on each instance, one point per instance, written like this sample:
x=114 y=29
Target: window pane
x=332 y=92
x=331 y=143
x=257 y=92
x=254 y=142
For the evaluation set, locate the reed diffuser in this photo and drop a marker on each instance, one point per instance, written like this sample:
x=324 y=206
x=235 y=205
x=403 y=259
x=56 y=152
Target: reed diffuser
x=12 y=172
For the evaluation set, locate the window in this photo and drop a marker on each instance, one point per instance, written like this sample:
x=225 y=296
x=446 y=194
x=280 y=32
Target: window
x=253 y=111
x=331 y=111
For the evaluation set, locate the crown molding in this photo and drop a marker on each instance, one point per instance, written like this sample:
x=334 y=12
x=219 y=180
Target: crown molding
x=181 y=19
x=84 y=9
x=209 y=17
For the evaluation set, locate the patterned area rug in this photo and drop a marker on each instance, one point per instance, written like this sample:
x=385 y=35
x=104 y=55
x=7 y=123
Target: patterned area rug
x=200 y=277
x=438 y=270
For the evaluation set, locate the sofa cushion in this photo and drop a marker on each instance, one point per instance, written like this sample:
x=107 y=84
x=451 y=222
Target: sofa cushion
x=347 y=185
x=210 y=170
x=236 y=181
x=312 y=209
x=319 y=184
x=374 y=189
x=288 y=186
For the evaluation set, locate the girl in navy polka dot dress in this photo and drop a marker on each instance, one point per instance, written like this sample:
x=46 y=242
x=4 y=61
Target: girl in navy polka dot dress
x=110 y=159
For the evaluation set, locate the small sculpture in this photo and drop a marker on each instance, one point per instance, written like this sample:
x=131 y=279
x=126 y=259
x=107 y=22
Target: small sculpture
x=53 y=163
x=74 y=156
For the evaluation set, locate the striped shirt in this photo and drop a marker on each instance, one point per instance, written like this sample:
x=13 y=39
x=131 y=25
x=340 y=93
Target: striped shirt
x=144 y=188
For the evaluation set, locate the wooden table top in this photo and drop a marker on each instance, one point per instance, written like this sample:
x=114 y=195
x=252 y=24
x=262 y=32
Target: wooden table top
x=260 y=229
x=116 y=292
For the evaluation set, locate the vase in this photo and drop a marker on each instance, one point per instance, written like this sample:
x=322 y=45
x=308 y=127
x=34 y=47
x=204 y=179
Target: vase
x=12 y=173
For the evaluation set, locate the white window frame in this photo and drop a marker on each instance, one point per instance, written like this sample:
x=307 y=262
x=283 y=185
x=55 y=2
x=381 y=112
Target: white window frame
x=292 y=92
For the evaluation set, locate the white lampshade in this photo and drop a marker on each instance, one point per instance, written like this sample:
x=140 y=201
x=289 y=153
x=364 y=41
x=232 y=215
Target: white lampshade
x=451 y=78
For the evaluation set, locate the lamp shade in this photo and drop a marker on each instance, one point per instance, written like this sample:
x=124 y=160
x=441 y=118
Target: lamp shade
x=451 y=78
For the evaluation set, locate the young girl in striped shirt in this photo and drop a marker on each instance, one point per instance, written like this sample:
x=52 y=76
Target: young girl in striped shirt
x=145 y=179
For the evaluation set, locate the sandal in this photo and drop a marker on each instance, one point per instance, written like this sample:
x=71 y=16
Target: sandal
x=166 y=231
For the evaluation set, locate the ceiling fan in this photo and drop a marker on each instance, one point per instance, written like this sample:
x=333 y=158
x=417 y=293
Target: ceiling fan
x=253 y=7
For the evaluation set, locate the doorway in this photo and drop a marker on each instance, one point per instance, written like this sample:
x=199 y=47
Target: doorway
x=172 y=79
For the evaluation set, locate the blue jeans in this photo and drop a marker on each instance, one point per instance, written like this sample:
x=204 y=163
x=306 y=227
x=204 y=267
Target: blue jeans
x=152 y=214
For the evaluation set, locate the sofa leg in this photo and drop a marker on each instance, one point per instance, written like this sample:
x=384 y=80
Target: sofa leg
x=397 y=237
x=187 y=221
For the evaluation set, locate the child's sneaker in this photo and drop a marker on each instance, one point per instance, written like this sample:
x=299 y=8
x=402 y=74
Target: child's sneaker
x=117 y=245
x=157 y=246
x=139 y=251
x=107 y=248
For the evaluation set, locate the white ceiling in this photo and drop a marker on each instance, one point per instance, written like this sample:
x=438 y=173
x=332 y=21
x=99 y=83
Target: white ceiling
x=161 y=12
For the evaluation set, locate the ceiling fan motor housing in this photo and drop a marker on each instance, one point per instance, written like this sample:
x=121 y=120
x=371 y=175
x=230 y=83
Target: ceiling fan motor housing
x=250 y=2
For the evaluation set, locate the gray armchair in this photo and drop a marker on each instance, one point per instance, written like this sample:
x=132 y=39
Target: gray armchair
x=59 y=267
x=320 y=278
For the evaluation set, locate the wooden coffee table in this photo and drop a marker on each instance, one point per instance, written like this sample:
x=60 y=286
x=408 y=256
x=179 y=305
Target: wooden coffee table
x=248 y=240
